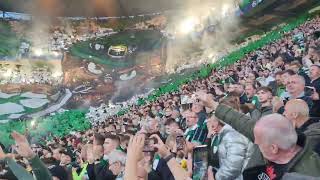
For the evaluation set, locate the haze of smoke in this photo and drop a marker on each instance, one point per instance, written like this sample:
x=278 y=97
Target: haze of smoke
x=211 y=44
x=124 y=91
x=39 y=33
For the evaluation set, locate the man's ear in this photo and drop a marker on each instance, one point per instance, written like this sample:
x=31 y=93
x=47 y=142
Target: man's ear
x=118 y=164
x=274 y=149
x=295 y=115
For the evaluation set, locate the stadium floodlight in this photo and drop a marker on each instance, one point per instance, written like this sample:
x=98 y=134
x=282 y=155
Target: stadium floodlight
x=56 y=54
x=38 y=52
x=7 y=73
x=33 y=123
x=188 y=25
x=57 y=74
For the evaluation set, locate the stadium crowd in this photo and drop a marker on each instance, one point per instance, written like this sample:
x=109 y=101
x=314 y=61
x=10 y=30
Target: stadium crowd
x=258 y=117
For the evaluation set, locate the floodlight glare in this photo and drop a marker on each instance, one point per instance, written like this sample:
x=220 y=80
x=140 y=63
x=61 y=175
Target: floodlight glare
x=188 y=25
x=38 y=52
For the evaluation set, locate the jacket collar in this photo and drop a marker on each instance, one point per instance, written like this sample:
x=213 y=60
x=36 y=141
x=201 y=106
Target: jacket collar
x=299 y=96
x=318 y=79
x=267 y=108
x=225 y=128
x=307 y=124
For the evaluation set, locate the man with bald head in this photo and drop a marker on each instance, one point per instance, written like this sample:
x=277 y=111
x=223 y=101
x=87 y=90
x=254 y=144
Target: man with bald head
x=276 y=140
x=297 y=111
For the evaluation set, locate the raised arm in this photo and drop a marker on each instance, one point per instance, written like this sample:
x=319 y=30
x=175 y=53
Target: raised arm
x=239 y=121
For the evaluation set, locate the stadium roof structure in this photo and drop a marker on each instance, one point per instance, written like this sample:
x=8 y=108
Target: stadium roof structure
x=267 y=14
x=94 y=8
x=271 y=13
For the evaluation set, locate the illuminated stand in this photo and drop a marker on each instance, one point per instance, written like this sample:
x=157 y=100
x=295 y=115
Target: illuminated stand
x=119 y=51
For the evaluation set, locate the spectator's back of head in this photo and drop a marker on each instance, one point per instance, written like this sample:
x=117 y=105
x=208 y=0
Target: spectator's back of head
x=297 y=111
x=58 y=172
x=275 y=135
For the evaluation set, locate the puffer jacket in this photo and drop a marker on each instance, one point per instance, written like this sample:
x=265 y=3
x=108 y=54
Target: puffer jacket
x=234 y=152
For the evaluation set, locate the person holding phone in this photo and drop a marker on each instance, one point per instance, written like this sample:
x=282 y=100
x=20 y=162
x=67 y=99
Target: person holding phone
x=135 y=154
x=176 y=144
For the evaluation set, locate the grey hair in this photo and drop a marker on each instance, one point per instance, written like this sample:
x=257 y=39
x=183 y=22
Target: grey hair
x=278 y=130
x=301 y=78
x=117 y=156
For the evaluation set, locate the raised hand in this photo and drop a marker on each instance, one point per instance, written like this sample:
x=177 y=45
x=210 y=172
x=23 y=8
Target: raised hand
x=161 y=147
x=207 y=100
x=23 y=147
x=277 y=103
x=135 y=147
x=210 y=174
x=2 y=154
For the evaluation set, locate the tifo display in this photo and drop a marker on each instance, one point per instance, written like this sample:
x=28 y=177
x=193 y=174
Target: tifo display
x=195 y=91
x=118 y=51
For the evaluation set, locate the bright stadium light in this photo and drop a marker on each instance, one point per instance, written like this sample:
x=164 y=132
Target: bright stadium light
x=38 y=52
x=225 y=9
x=211 y=55
x=33 y=123
x=56 y=54
x=57 y=74
x=7 y=73
x=188 y=25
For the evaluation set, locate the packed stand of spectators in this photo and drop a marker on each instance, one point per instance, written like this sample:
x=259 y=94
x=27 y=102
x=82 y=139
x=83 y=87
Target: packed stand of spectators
x=257 y=119
x=37 y=76
x=62 y=38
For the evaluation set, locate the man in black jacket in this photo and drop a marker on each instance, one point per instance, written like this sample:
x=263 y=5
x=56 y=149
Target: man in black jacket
x=297 y=112
x=296 y=89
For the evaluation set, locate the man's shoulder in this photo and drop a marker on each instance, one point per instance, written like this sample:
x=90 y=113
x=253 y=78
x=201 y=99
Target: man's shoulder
x=267 y=110
x=308 y=164
x=307 y=99
x=316 y=81
x=306 y=161
x=313 y=130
